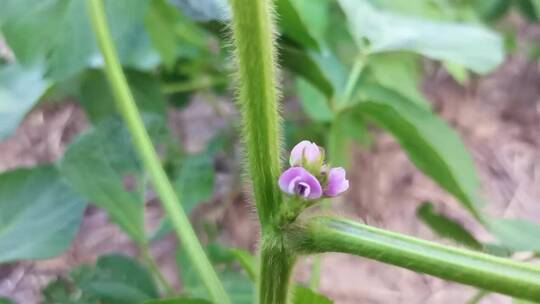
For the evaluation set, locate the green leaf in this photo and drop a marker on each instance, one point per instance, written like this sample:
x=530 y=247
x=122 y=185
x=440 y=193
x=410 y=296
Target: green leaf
x=458 y=72
x=304 y=21
x=303 y=295
x=20 y=89
x=429 y=142
x=97 y=167
x=516 y=234
x=237 y=285
x=400 y=72
x=204 y=10
x=40 y=214
x=178 y=301
x=58 y=31
x=98 y=101
x=5 y=301
x=116 y=279
x=470 y=45
x=446 y=227
x=323 y=70
x=314 y=102
x=170 y=31
x=196 y=179
x=246 y=260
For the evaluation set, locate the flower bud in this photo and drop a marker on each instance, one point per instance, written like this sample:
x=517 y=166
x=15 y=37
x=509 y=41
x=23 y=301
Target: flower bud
x=336 y=183
x=306 y=154
x=298 y=181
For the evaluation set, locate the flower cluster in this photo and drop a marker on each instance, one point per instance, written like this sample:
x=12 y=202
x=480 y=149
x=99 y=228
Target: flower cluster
x=309 y=177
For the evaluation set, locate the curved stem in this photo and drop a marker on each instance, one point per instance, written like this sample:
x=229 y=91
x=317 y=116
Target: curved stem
x=143 y=146
x=330 y=234
x=154 y=268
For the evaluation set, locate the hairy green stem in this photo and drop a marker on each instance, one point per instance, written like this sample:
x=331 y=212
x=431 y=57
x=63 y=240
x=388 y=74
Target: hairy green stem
x=331 y=234
x=143 y=145
x=253 y=29
x=253 y=40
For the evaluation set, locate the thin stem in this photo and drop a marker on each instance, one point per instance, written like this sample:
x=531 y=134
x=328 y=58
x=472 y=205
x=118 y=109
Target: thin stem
x=154 y=268
x=354 y=75
x=330 y=234
x=315 y=272
x=143 y=145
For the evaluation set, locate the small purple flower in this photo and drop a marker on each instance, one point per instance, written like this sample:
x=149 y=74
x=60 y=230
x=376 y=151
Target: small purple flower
x=298 y=181
x=305 y=151
x=337 y=183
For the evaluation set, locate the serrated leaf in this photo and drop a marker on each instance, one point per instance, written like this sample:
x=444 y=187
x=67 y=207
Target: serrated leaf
x=470 y=45
x=97 y=167
x=314 y=102
x=446 y=227
x=516 y=234
x=98 y=101
x=429 y=142
x=304 y=295
x=20 y=89
x=40 y=214
x=58 y=32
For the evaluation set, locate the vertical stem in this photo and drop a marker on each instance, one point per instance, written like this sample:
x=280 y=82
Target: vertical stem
x=253 y=29
x=143 y=145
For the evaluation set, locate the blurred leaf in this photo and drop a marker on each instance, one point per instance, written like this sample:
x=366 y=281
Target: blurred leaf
x=20 y=89
x=194 y=183
x=520 y=301
x=348 y=126
x=429 y=142
x=400 y=72
x=116 y=279
x=387 y=31
x=528 y=9
x=314 y=103
x=304 y=295
x=98 y=101
x=58 y=31
x=491 y=10
x=171 y=32
x=246 y=260
x=446 y=227
x=323 y=70
x=303 y=20
x=40 y=214
x=178 y=301
x=5 y=301
x=97 y=167
x=458 y=72
x=237 y=285
x=516 y=234
x=204 y=10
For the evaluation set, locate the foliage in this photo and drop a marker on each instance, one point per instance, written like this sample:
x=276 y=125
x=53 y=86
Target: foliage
x=351 y=63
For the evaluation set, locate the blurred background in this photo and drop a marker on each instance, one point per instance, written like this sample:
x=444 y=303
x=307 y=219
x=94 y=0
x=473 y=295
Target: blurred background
x=473 y=63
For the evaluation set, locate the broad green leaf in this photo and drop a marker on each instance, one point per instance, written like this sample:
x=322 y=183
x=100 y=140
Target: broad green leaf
x=491 y=10
x=536 y=5
x=470 y=45
x=178 y=301
x=115 y=279
x=516 y=234
x=98 y=101
x=20 y=89
x=238 y=286
x=58 y=31
x=314 y=102
x=429 y=142
x=304 y=21
x=119 y=279
x=40 y=214
x=446 y=227
x=5 y=301
x=97 y=167
x=304 y=295
x=400 y=72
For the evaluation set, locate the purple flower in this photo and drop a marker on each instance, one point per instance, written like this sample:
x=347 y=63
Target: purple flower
x=298 y=181
x=307 y=152
x=337 y=183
